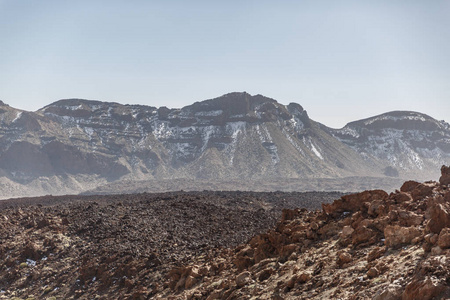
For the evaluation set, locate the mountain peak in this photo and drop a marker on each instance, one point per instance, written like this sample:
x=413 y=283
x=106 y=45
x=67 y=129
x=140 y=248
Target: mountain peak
x=239 y=106
x=398 y=120
x=73 y=102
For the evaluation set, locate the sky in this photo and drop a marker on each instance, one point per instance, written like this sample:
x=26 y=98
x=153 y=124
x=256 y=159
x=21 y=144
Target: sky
x=341 y=60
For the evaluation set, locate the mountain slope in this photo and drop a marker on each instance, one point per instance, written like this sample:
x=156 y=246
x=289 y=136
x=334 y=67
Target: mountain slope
x=407 y=141
x=74 y=145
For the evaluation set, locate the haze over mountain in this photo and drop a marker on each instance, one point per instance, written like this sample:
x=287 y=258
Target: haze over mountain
x=75 y=145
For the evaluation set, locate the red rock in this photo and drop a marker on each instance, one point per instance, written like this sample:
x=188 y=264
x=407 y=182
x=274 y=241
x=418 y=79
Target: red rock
x=445 y=175
x=32 y=251
x=401 y=197
x=347 y=231
x=444 y=238
x=303 y=277
x=363 y=234
x=409 y=218
x=373 y=272
x=376 y=208
x=424 y=290
x=344 y=258
x=409 y=185
x=396 y=235
x=190 y=282
x=438 y=215
x=265 y=274
x=421 y=191
x=287 y=250
x=436 y=250
x=243 y=279
x=353 y=202
x=377 y=252
x=289 y=214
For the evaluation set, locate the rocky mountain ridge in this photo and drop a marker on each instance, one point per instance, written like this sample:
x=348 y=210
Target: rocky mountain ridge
x=76 y=145
x=407 y=140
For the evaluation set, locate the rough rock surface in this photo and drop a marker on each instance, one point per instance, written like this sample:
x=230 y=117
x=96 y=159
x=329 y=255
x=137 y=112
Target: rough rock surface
x=123 y=246
x=369 y=245
x=76 y=145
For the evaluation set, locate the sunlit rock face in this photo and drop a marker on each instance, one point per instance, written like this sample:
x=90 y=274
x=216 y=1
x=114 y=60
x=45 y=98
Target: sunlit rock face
x=407 y=141
x=82 y=143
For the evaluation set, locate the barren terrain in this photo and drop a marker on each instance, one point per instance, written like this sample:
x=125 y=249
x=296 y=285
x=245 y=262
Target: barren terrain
x=112 y=246
x=228 y=245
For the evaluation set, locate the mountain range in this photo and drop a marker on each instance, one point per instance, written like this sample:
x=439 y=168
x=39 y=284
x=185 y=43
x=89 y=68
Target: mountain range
x=75 y=145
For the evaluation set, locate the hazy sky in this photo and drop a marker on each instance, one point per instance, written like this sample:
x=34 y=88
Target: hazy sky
x=341 y=60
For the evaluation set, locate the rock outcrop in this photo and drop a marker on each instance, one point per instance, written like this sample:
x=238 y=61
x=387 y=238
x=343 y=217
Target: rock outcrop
x=369 y=245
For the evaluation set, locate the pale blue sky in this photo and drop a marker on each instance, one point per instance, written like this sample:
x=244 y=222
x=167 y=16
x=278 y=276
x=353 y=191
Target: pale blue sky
x=341 y=60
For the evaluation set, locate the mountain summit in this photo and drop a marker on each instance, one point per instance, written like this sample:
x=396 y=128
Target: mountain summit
x=73 y=145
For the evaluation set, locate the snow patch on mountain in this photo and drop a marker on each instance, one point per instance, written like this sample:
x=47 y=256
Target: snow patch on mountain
x=315 y=149
x=415 y=117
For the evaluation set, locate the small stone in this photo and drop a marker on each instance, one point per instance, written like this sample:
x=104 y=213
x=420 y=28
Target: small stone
x=377 y=252
x=190 y=282
x=344 y=258
x=347 y=231
x=436 y=250
x=444 y=238
x=304 y=277
x=373 y=272
x=243 y=279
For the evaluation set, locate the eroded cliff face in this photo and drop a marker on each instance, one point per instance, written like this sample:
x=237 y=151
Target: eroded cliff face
x=74 y=145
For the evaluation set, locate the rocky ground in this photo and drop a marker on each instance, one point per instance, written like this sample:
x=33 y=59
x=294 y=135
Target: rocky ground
x=225 y=245
x=124 y=246
x=345 y=185
x=370 y=245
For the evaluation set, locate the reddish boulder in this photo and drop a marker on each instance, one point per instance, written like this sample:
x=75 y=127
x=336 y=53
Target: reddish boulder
x=363 y=234
x=396 y=235
x=425 y=290
x=421 y=191
x=353 y=202
x=445 y=175
x=409 y=185
x=444 y=238
x=409 y=218
x=438 y=215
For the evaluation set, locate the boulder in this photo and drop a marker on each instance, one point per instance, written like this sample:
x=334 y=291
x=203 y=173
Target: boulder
x=425 y=290
x=409 y=218
x=444 y=238
x=396 y=235
x=445 y=175
x=243 y=279
x=363 y=234
x=353 y=202
x=391 y=292
x=377 y=252
x=376 y=208
x=347 y=231
x=438 y=215
x=409 y=185
x=344 y=258
x=421 y=191
x=373 y=272
x=190 y=282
